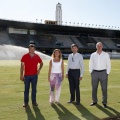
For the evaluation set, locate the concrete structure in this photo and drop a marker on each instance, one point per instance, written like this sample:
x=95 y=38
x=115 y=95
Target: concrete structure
x=59 y=14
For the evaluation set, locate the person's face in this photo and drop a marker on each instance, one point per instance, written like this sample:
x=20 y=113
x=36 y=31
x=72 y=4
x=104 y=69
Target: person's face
x=57 y=53
x=31 y=49
x=74 y=49
x=99 y=47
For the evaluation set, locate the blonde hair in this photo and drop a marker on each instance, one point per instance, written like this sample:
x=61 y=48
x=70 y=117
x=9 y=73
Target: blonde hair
x=53 y=54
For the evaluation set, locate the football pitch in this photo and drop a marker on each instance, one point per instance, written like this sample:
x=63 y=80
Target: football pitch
x=12 y=90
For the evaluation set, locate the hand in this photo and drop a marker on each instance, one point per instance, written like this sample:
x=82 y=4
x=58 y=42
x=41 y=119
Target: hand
x=48 y=79
x=66 y=75
x=38 y=71
x=21 y=78
x=80 y=78
x=62 y=78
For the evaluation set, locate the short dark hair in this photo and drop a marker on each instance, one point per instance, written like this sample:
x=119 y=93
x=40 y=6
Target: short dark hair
x=74 y=45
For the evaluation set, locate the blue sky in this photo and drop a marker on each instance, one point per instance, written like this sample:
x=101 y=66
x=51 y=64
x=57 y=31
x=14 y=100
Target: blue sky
x=84 y=12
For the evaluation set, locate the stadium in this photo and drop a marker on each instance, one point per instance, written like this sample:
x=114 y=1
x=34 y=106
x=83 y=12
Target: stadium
x=15 y=37
x=47 y=37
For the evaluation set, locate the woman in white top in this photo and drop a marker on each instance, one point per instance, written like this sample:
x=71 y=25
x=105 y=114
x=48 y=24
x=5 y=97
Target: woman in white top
x=55 y=75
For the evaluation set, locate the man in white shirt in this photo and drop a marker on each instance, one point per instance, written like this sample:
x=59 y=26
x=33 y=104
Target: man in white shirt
x=99 y=67
x=74 y=73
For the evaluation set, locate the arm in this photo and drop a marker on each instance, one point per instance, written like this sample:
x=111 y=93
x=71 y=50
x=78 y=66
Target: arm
x=67 y=68
x=90 y=64
x=82 y=68
x=21 y=71
x=62 y=69
x=108 y=64
x=41 y=65
x=49 y=71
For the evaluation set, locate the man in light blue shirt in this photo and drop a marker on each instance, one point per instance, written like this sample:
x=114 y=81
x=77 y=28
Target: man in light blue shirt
x=74 y=73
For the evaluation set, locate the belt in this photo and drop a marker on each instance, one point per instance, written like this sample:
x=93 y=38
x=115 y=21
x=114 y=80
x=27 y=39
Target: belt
x=99 y=70
x=74 y=69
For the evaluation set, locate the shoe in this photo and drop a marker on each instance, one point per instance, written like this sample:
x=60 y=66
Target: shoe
x=94 y=103
x=105 y=106
x=70 y=101
x=57 y=102
x=77 y=103
x=25 y=105
x=35 y=104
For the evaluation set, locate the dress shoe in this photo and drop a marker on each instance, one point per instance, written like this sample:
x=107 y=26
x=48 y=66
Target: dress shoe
x=25 y=105
x=94 y=103
x=70 y=101
x=105 y=106
x=35 y=104
x=77 y=103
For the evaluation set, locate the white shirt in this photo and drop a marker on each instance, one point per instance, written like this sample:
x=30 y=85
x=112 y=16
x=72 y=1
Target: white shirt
x=100 y=62
x=56 y=67
x=75 y=62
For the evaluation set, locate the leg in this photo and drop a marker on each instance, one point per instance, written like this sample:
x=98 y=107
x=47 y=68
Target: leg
x=71 y=85
x=52 y=87
x=95 y=82
x=103 y=81
x=34 y=85
x=77 y=83
x=26 y=89
x=58 y=86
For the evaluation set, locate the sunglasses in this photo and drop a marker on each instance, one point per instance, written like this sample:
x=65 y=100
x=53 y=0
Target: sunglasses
x=72 y=59
x=32 y=46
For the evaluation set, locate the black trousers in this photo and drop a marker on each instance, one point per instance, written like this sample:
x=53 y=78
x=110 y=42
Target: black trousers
x=73 y=77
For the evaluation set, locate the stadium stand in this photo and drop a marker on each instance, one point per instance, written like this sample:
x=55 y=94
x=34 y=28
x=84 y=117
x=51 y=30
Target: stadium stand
x=117 y=42
x=108 y=42
x=43 y=40
x=64 y=39
x=4 y=38
x=76 y=41
x=99 y=39
x=49 y=37
x=19 y=39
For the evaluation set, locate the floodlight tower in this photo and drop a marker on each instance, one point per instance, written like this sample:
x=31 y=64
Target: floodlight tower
x=59 y=14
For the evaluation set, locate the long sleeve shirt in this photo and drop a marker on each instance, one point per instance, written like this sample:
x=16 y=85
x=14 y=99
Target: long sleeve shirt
x=100 y=62
x=75 y=61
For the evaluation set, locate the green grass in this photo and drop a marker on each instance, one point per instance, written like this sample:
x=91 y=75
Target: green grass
x=11 y=96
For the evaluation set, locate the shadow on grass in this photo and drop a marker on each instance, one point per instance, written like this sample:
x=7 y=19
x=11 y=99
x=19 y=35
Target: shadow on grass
x=105 y=110
x=86 y=113
x=38 y=114
x=30 y=115
x=64 y=114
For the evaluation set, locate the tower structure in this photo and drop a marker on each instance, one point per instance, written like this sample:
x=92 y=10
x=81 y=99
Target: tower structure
x=59 y=14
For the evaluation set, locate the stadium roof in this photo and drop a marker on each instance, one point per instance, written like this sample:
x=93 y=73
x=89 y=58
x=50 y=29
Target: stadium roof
x=59 y=29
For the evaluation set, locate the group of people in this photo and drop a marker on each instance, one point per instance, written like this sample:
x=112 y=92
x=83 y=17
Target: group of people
x=99 y=67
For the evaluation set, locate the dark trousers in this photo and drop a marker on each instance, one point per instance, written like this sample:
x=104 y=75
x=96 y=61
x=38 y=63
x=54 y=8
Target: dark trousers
x=27 y=80
x=73 y=77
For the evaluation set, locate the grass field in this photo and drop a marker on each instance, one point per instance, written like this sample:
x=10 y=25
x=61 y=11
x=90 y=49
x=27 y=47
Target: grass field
x=11 y=96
